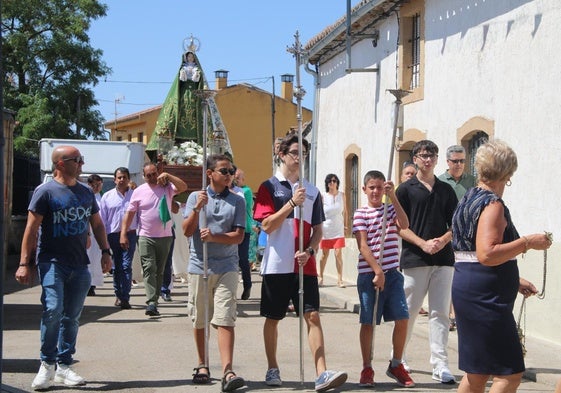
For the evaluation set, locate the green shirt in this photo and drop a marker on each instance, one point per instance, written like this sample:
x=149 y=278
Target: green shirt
x=461 y=186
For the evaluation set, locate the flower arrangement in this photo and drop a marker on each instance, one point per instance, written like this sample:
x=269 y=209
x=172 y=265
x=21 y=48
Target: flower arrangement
x=187 y=153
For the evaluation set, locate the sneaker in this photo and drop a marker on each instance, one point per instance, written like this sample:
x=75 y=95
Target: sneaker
x=400 y=375
x=366 y=377
x=66 y=375
x=330 y=379
x=45 y=376
x=443 y=374
x=273 y=377
x=152 y=310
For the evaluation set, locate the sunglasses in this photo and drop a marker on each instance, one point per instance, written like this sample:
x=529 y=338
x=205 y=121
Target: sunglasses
x=226 y=171
x=460 y=161
x=77 y=159
x=333 y=181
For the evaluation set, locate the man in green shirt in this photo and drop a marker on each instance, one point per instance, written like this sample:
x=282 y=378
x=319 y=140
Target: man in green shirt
x=455 y=175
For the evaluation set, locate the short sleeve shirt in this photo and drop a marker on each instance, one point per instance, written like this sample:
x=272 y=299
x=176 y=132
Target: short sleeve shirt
x=430 y=215
x=282 y=243
x=66 y=212
x=145 y=202
x=224 y=213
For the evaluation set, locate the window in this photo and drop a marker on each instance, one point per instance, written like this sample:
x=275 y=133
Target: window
x=140 y=137
x=352 y=188
x=477 y=140
x=415 y=52
x=411 y=50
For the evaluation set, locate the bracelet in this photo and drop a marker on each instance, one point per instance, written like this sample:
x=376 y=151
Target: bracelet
x=23 y=264
x=525 y=245
x=291 y=202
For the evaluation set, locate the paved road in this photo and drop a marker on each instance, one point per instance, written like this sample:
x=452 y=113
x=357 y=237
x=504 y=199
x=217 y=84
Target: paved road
x=123 y=350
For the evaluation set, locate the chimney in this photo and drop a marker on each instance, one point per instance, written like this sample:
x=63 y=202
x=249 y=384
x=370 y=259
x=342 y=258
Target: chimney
x=221 y=79
x=287 y=88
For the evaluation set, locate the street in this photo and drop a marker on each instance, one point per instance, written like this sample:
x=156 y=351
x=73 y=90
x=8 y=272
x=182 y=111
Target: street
x=124 y=350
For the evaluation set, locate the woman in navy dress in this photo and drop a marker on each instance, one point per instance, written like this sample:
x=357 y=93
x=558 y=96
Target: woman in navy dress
x=486 y=279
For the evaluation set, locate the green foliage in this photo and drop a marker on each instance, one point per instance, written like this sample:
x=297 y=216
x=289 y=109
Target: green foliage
x=50 y=69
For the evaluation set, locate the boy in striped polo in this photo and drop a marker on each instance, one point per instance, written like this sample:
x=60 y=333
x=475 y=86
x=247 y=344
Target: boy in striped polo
x=381 y=273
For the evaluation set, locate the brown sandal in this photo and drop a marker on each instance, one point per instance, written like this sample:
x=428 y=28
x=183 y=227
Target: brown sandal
x=201 y=378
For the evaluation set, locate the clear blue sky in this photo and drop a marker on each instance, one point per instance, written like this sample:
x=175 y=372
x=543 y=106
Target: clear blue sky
x=142 y=43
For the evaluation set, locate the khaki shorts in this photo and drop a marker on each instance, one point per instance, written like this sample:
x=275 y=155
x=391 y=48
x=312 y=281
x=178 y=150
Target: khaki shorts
x=222 y=303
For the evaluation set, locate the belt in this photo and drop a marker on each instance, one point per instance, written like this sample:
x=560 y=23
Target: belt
x=465 y=256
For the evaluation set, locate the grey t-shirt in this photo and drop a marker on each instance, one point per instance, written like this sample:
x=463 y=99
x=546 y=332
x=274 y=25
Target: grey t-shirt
x=224 y=213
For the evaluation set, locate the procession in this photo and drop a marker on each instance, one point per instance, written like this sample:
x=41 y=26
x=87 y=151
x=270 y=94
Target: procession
x=394 y=255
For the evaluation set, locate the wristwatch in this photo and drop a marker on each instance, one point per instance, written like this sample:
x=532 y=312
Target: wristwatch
x=311 y=251
x=107 y=251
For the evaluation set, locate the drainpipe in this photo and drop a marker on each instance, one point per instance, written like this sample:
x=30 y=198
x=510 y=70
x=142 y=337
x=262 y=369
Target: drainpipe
x=315 y=116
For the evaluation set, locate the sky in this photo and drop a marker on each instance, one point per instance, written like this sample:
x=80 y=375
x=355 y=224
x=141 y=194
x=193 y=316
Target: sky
x=142 y=42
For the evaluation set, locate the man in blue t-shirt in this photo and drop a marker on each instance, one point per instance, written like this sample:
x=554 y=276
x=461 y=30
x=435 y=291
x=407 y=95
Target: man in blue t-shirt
x=60 y=214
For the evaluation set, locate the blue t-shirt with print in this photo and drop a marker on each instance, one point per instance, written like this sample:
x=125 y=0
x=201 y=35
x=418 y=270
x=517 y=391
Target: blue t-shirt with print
x=66 y=212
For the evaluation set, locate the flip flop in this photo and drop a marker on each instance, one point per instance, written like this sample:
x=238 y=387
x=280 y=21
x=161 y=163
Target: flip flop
x=233 y=383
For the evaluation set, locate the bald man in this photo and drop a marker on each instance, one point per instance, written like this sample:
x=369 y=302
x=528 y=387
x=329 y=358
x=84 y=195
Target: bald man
x=63 y=209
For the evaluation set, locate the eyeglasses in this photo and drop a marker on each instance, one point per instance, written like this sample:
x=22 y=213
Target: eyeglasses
x=77 y=159
x=426 y=157
x=226 y=171
x=295 y=154
x=460 y=161
x=333 y=181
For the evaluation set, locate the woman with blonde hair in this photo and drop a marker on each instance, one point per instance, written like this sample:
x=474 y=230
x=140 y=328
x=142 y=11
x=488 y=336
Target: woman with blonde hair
x=486 y=279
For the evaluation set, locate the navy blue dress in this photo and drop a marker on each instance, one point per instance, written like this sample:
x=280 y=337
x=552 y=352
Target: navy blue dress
x=483 y=296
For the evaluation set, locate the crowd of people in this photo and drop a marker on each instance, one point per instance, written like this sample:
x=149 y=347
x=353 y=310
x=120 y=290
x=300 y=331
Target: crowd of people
x=449 y=238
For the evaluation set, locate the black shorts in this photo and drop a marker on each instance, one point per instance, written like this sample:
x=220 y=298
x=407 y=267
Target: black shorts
x=278 y=289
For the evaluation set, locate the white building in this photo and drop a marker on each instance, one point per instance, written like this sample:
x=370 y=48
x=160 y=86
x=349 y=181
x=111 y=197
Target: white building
x=475 y=69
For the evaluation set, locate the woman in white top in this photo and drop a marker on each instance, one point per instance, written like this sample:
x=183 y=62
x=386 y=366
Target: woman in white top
x=333 y=227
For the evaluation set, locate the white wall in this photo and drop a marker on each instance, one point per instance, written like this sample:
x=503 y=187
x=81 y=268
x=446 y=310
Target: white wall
x=500 y=60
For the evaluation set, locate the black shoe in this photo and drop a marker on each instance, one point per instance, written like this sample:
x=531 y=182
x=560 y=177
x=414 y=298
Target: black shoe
x=125 y=305
x=152 y=310
x=166 y=297
x=246 y=292
x=91 y=292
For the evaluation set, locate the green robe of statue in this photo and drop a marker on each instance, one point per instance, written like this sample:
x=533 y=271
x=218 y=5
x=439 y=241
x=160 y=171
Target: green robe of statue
x=181 y=116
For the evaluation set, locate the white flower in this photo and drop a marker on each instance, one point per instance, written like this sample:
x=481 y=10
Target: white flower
x=187 y=153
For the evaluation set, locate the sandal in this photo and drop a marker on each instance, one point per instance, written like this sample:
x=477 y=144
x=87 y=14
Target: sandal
x=201 y=378
x=233 y=383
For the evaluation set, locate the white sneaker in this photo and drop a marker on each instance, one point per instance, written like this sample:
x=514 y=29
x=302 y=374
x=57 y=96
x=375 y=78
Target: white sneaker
x=330 y=379
x=273 y=377
x=45 y=376
x=66 y=375
x=443 y=374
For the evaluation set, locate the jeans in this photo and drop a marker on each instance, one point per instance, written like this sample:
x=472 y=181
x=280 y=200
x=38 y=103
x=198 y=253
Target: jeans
x=153 y=256
x=243 y=252
x=122 y=262
x=64 y=290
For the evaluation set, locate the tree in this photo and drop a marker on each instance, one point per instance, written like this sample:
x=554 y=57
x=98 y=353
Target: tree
x=50 y=69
